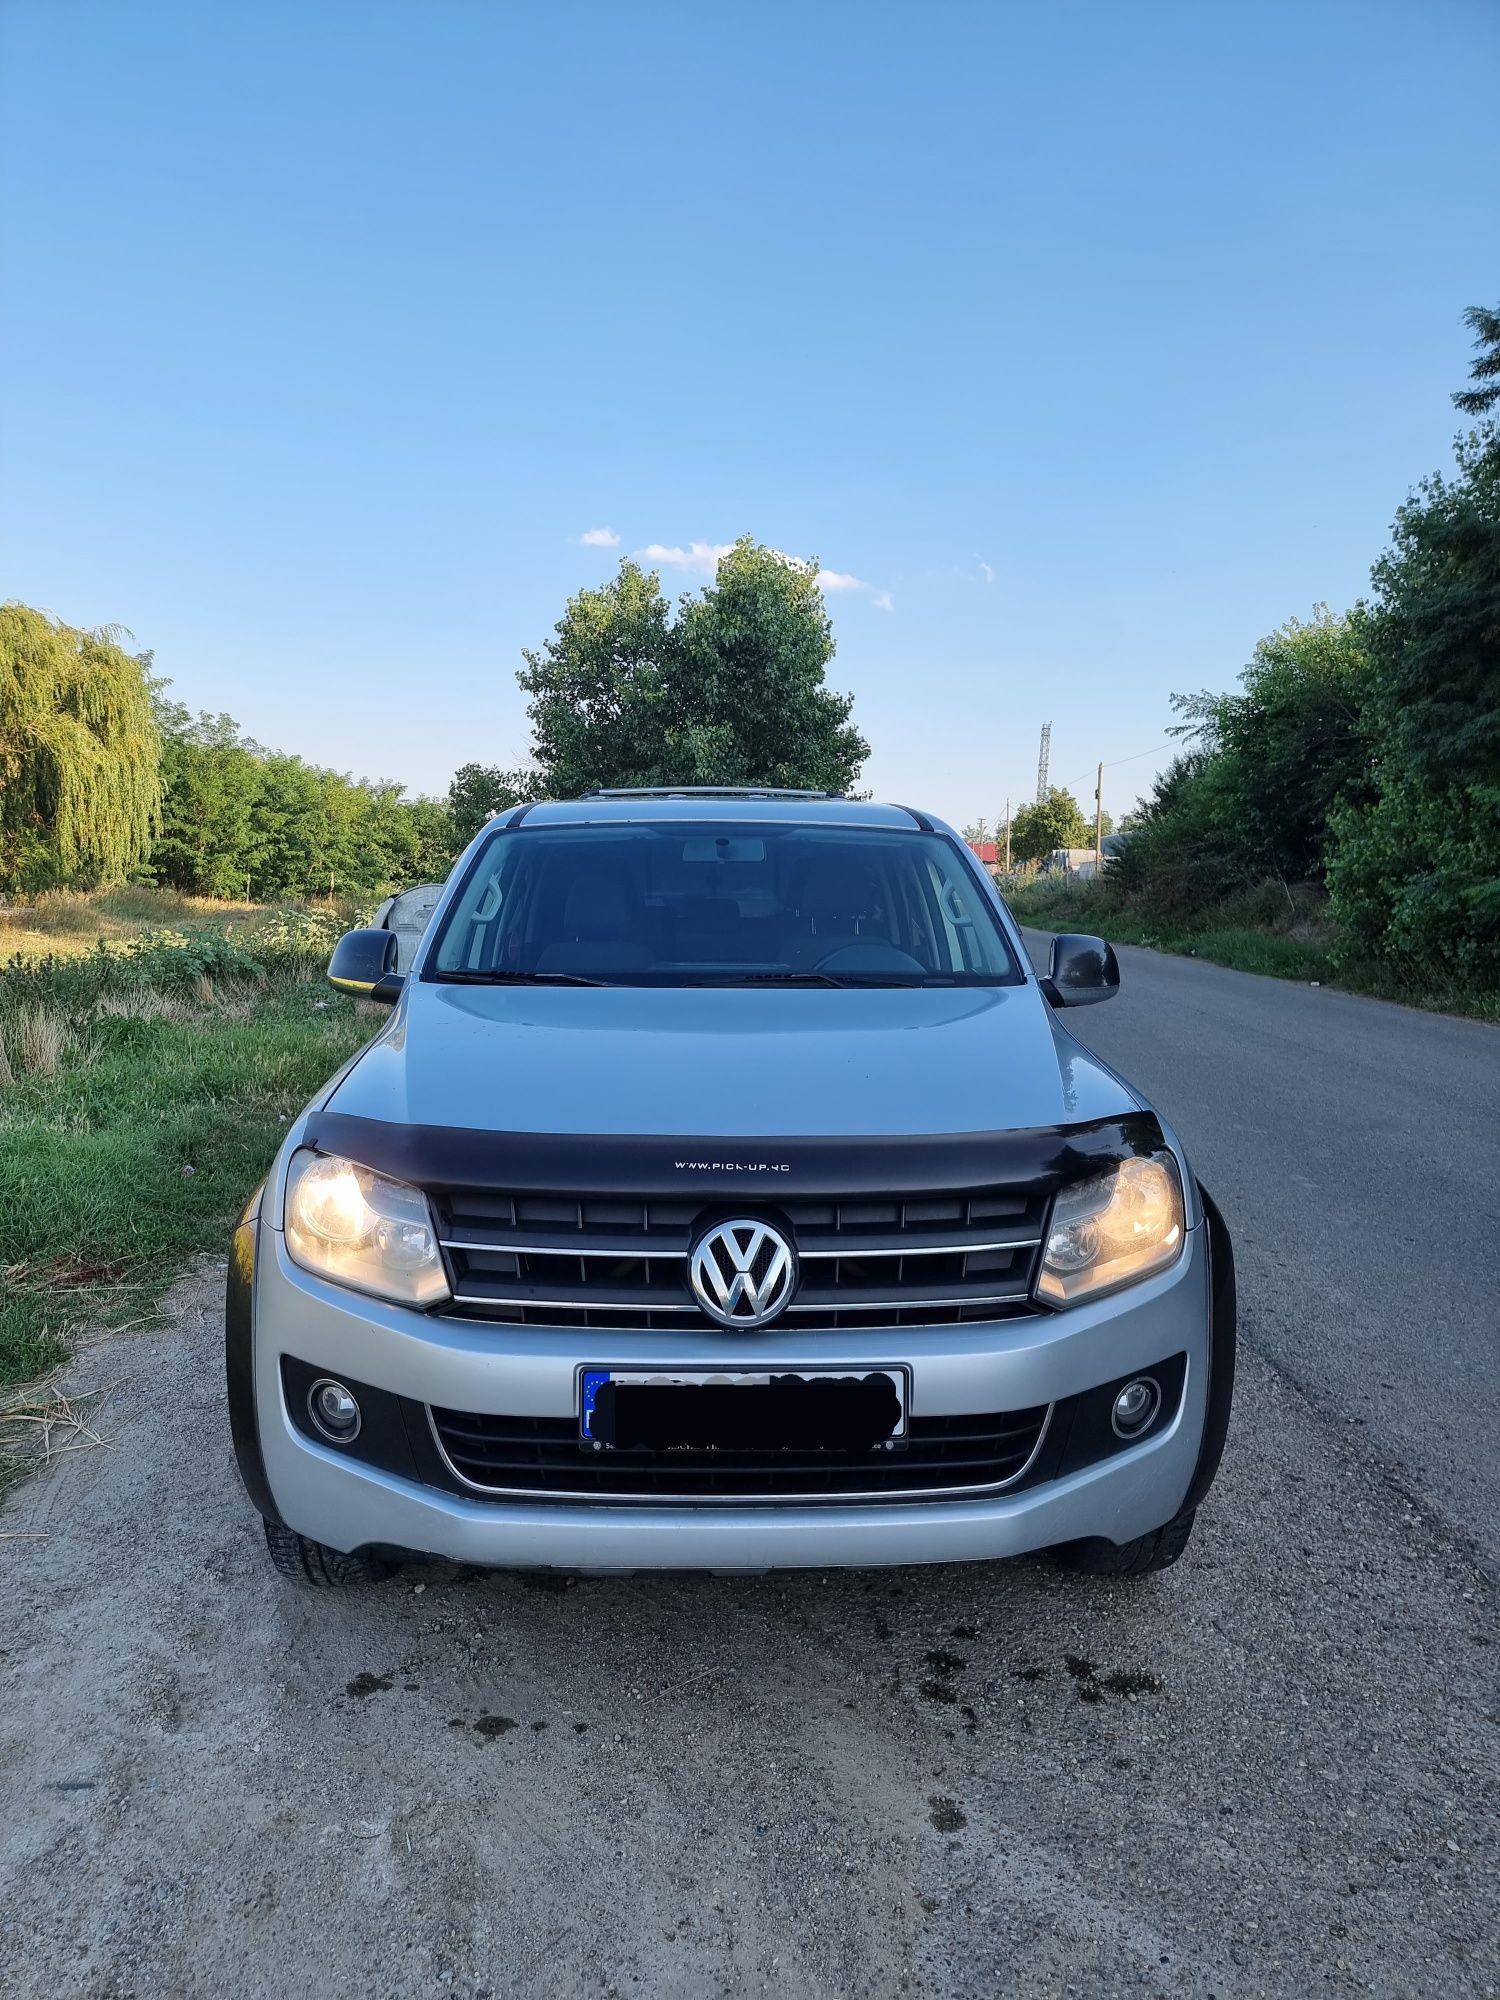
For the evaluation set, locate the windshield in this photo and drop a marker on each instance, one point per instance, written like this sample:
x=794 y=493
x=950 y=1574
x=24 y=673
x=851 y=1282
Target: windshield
x=722 y=904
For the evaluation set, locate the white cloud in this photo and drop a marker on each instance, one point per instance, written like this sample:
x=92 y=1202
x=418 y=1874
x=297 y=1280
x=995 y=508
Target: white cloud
x=702 y=557
x=986 y=570
x=831 y=581
x=834 y=580
x=599 y=538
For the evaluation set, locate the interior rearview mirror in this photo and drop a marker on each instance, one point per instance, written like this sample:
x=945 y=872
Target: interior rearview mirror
x=364 y=963
x=1080 y=971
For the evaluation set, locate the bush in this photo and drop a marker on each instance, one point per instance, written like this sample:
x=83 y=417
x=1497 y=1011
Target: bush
x=304 y=935
x=291 y=944
x=1415 y=882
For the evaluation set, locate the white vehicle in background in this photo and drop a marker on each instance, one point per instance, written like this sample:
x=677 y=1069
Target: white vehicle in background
x=408 y=915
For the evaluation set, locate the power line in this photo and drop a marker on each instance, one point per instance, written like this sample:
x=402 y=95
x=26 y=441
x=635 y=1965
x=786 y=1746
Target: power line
x=1114 y=763
x=1110 y=762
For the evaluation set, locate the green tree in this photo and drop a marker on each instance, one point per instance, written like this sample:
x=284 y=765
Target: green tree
x=236 y=816
x=1285 y=748
x=477 y=791
x=731 y=691
x=1485 y=370
x=1175 y=863
x=977 y=832
x=598 y=697
x=433 y=843
x=1434 y=626
x=748 y=703
x=1055 y=821
x=211 y=842
x=1415 y=874
x=80 y=784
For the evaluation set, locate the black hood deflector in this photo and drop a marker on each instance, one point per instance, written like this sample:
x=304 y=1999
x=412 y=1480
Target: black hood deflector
x=635 y=1165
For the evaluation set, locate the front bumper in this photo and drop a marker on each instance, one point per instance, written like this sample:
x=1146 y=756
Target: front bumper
x=531 y=1371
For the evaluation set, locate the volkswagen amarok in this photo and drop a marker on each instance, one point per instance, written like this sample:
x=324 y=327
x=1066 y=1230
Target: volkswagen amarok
x=725 y=1191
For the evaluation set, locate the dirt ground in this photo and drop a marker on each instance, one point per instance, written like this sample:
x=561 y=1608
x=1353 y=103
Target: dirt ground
x=1272 y=1770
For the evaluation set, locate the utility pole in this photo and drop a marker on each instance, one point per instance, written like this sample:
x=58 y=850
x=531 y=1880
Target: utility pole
x=1007 y=836
x=1099 y=816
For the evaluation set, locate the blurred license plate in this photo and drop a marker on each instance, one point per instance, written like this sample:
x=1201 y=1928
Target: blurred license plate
x=723 y=1410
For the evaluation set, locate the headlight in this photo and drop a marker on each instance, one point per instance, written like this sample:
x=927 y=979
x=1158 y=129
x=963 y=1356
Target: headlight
x=1111 y=1230
x=350 y=1224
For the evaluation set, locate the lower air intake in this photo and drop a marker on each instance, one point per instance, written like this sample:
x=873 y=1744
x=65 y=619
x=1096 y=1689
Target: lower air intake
x=940 y=1456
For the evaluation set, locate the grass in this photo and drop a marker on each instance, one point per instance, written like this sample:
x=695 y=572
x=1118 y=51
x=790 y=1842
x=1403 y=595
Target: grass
x=66 y=923
x=1249 y=933
x=143 y=1093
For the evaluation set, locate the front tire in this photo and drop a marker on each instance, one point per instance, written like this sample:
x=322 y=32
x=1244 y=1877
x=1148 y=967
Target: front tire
x=1146 y=1554
x=315 y=1566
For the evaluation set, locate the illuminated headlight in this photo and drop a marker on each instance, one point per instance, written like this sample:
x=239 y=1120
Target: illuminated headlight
x=352 y=1225
x=1111 y=1230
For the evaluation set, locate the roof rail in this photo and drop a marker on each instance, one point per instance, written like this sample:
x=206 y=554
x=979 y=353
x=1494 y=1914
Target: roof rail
x=702 y=792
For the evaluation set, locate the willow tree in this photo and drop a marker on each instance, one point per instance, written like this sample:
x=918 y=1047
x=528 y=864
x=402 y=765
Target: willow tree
x=80 y=785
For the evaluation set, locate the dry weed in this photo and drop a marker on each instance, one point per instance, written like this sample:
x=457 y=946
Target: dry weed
x=38 y=1039
x=44 y=1423
x=144 y=1004
x=235 y=1003
x=64 y=1274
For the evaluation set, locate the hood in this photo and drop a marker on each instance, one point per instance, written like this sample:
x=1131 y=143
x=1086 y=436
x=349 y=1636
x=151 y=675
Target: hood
x=727 y=1062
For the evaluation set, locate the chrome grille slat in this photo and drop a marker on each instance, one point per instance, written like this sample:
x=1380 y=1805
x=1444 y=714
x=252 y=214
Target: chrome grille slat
x=614 y=1246
x=877 y=1261
x=853 y=1301
x=626 y=1246
x=588 y=1302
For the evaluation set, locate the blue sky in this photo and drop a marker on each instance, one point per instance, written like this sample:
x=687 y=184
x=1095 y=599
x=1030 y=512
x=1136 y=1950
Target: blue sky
x=1092 y=340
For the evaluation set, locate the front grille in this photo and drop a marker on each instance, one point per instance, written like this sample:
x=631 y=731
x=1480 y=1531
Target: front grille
x=543 y=1455
x=890 y=1260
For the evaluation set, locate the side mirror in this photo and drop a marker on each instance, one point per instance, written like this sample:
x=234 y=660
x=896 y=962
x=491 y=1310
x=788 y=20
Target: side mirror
x=1080 y=971
x=364 y=963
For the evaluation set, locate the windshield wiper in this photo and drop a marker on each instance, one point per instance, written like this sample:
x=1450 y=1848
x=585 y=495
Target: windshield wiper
x=502 y=978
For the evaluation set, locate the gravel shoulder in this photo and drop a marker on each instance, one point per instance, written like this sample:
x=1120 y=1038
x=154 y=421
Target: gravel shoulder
x=1270 y=1770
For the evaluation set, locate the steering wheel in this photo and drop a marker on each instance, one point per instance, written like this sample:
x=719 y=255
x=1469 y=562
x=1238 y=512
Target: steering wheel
x=869 y=955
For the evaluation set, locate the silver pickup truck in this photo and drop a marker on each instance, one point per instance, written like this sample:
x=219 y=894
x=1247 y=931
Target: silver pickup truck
x=726 y=1192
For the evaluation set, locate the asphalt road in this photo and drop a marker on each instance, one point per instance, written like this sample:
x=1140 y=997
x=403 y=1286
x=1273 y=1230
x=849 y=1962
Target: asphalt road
x=1270 y=1771
x=1354 y=1148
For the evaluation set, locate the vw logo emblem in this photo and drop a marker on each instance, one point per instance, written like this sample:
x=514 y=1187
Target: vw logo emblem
x=743 y=1273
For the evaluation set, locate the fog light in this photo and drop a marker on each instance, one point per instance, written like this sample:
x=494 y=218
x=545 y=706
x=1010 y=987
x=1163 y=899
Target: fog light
x=1135 y=1406
x=334 y=1411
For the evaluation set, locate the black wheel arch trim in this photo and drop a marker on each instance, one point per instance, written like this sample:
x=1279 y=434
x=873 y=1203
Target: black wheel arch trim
x=1223 y=1345
x=239 y=1359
